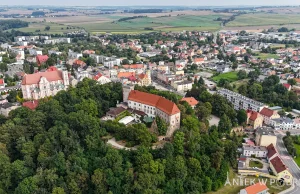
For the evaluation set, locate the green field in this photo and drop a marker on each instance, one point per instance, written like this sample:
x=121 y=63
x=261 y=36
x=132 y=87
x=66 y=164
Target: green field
x=265 y=56
x=174 y=23
x=230 y=76
x=263 y=19
x=297 y=160
x=54 y=28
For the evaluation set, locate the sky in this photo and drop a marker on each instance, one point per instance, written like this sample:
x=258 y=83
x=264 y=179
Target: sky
x=151 y=2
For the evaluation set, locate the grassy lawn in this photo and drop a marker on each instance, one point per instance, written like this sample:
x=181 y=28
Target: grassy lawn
x=239 y=83
x=277 y=46
x=265 y=56
x=233 y=189
x=255 y=164
x=297 y=160
x=230 y=76
x=260 y=19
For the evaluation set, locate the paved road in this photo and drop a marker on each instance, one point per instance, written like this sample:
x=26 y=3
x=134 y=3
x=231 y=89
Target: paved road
x=289 y=162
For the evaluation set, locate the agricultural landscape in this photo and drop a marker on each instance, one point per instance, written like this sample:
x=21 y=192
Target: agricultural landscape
x=118 y=21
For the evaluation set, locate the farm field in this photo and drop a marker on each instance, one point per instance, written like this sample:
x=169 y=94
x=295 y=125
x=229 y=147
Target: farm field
x=195 y=20
x=173 y=23
x=263 y=19
x=54 y=28
x=230 y=76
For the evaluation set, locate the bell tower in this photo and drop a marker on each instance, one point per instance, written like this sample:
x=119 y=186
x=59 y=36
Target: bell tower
x=126 y=91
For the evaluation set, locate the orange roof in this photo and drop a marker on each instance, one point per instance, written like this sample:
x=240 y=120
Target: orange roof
x=29 y=79
x=143 y=76
x=159 y=102
x=198 y=59
x=252 y=115
x=191 y=100
x=31 y=104
x=267 y=112
x=256 y=188
x=125 y=74
x=133 y=66
x=297 y=80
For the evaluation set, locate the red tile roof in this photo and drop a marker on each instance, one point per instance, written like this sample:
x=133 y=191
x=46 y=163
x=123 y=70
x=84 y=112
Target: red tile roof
x=287 y=86
x=31 y=104
x=159 y=102
x=256 y=188
x=271 y=150
x=96 y=77
x=252 y=115
x=30 y=79
x=1 y=81
x=52 y=68
x=41 y=59
x=133 y=66
x=190 y=100
x=125 y=74
x=267 y=112
x=143 y=76
x=278 y=164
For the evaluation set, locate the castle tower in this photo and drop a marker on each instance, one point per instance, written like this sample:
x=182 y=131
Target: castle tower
x=126 y=91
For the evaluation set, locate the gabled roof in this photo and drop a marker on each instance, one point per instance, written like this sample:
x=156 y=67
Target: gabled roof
x=271 y=151
x=159 y=102
x=278 y=164
x=1 y=81
x=29 y=79
x=256 y=188
x=190 y=100
x=126 y=74
x=252 y=115
x=266 y=112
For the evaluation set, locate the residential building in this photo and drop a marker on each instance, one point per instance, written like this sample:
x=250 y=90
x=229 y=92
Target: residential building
x=280 y=170
x=7 y=107
x=268 y=115
x=35 y=52
x=153 y=105
x=191 y=101
x=182 y=85
x=272 y=152
x=254 y=119
x=241 y=102
x=258 y=188
x=265 y=136
x=43 y=84
x=283 y=123
x=40 y=59
x=257 y=151
x=74 y=55
x=144 y=79
x=101 y=79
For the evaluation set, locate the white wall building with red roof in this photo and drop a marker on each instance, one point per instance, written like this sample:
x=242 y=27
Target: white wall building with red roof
x=153 y=105
x=43 y=84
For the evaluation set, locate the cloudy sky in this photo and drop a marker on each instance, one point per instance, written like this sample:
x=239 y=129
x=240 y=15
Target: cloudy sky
x=152 y=2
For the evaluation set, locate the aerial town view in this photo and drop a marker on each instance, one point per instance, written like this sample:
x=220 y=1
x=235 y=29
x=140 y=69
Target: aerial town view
x=159 y=97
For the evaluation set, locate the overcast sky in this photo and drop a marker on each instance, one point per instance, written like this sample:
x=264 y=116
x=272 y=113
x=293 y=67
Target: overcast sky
x=151 y=2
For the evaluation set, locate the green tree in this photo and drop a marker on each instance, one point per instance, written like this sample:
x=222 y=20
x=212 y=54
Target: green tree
x=162 y=126
x=179 y=143
x=292 y=82
x=242 y=74
x=241 y=117
x=225 y=124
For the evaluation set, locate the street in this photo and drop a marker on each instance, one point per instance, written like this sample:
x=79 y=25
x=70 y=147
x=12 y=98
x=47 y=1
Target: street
x=289 y=162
